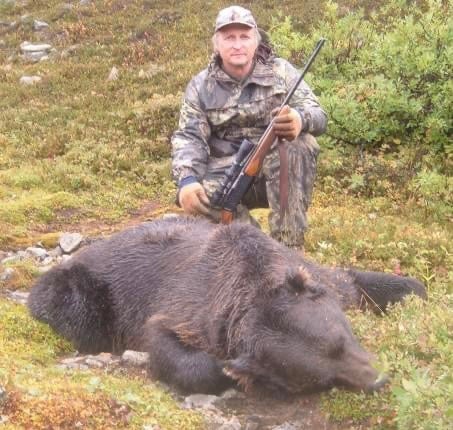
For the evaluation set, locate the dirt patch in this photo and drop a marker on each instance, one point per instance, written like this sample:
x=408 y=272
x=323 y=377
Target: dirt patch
x=93 y=227
x=296 y=413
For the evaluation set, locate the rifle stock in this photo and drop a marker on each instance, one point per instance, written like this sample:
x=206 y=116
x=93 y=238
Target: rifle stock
x=253 y=167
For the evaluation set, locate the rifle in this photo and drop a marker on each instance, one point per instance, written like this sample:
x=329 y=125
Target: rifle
x=249 y=158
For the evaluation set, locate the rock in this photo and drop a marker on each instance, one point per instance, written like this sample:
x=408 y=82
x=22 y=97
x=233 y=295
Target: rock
x=101 y=360
x=135 y=358
x=232 y=424
x=232 y=394
x=39 y=253
x=35 y=51
x=20 y=297
x=40 y=25
x=200 y=401
x=85 y=2
x=22 y=254
x=30 y=80
x=91 y=362
x=170 y=215
x=114 y=74
x=253 y=423
x=65 y=258
x=69 y=242
x=35 y=47
x=56 y=252
x=7 y=274
x=47 y=261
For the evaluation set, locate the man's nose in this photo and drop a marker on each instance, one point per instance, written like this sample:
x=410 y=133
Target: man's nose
x=237 y=44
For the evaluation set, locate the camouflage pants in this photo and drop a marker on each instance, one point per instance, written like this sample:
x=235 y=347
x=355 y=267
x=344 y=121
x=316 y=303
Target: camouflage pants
x=302 y=158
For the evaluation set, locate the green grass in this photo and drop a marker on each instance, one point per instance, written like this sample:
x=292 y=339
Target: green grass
x=42 y=396
x=79 y=152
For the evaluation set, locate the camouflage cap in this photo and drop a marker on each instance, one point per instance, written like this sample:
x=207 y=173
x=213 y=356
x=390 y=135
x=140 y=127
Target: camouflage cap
x=234 y=15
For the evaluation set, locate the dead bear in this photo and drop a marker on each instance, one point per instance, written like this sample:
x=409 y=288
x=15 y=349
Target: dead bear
x=215 y=306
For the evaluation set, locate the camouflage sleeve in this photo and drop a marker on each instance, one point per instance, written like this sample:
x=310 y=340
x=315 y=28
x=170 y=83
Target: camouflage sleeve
x=305 y=102
x=189 y=142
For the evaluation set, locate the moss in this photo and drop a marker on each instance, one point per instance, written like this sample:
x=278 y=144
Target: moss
x=41 y=395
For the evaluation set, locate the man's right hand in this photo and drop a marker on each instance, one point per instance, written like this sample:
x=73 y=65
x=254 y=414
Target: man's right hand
x=193 y=199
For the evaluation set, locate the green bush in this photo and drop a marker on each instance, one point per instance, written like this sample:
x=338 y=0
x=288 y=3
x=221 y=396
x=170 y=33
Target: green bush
x=384 y=78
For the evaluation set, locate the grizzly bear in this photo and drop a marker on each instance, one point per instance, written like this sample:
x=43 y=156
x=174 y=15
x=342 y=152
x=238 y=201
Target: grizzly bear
x=216 y=306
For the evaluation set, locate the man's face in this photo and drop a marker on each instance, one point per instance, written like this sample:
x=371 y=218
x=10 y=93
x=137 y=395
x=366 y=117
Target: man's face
x=236 y=45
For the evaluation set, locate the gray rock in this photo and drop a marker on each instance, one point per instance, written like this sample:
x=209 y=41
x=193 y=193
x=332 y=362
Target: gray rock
x=30 y=80
x=135 y=358
x=65 y=258
x=232 y=424
x=22 y=254
x=56 y=252
x=69 y=242
x=20 y=297
x=232 y=394
x=7 y=274
x=253 y=423
x=39 y=253
x=40 y=25
x=47 y=261
x=35 y=51
x=85 y=2
x=170 y=216
x=200 y=401
x=91 y=362
x=35 y=47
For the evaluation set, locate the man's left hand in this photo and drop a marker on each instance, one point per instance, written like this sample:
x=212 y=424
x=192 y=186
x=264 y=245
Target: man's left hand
x=288 y=123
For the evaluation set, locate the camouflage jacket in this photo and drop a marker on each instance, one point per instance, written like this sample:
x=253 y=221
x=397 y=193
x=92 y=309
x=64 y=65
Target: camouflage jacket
x=218 y=112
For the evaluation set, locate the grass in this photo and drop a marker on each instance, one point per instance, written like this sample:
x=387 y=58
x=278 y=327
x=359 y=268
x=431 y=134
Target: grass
x=80 y=152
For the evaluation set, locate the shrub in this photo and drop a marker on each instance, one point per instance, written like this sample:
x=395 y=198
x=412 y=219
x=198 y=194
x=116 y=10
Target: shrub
x=385 y=81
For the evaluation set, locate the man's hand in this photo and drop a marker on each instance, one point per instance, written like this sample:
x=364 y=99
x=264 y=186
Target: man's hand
x=193 y=199
x=288 y=124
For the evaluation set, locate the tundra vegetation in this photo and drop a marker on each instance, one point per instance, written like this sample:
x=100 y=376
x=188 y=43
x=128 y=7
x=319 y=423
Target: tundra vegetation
x=81 y=152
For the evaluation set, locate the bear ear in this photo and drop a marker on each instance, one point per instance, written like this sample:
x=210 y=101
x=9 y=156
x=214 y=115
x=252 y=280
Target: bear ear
x=298 y=279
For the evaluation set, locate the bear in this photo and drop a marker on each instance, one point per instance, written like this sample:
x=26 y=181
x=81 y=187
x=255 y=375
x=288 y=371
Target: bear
x=217 y=306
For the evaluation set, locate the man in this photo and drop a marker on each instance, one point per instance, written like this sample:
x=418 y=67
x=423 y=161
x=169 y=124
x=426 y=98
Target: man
x=234 y=98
